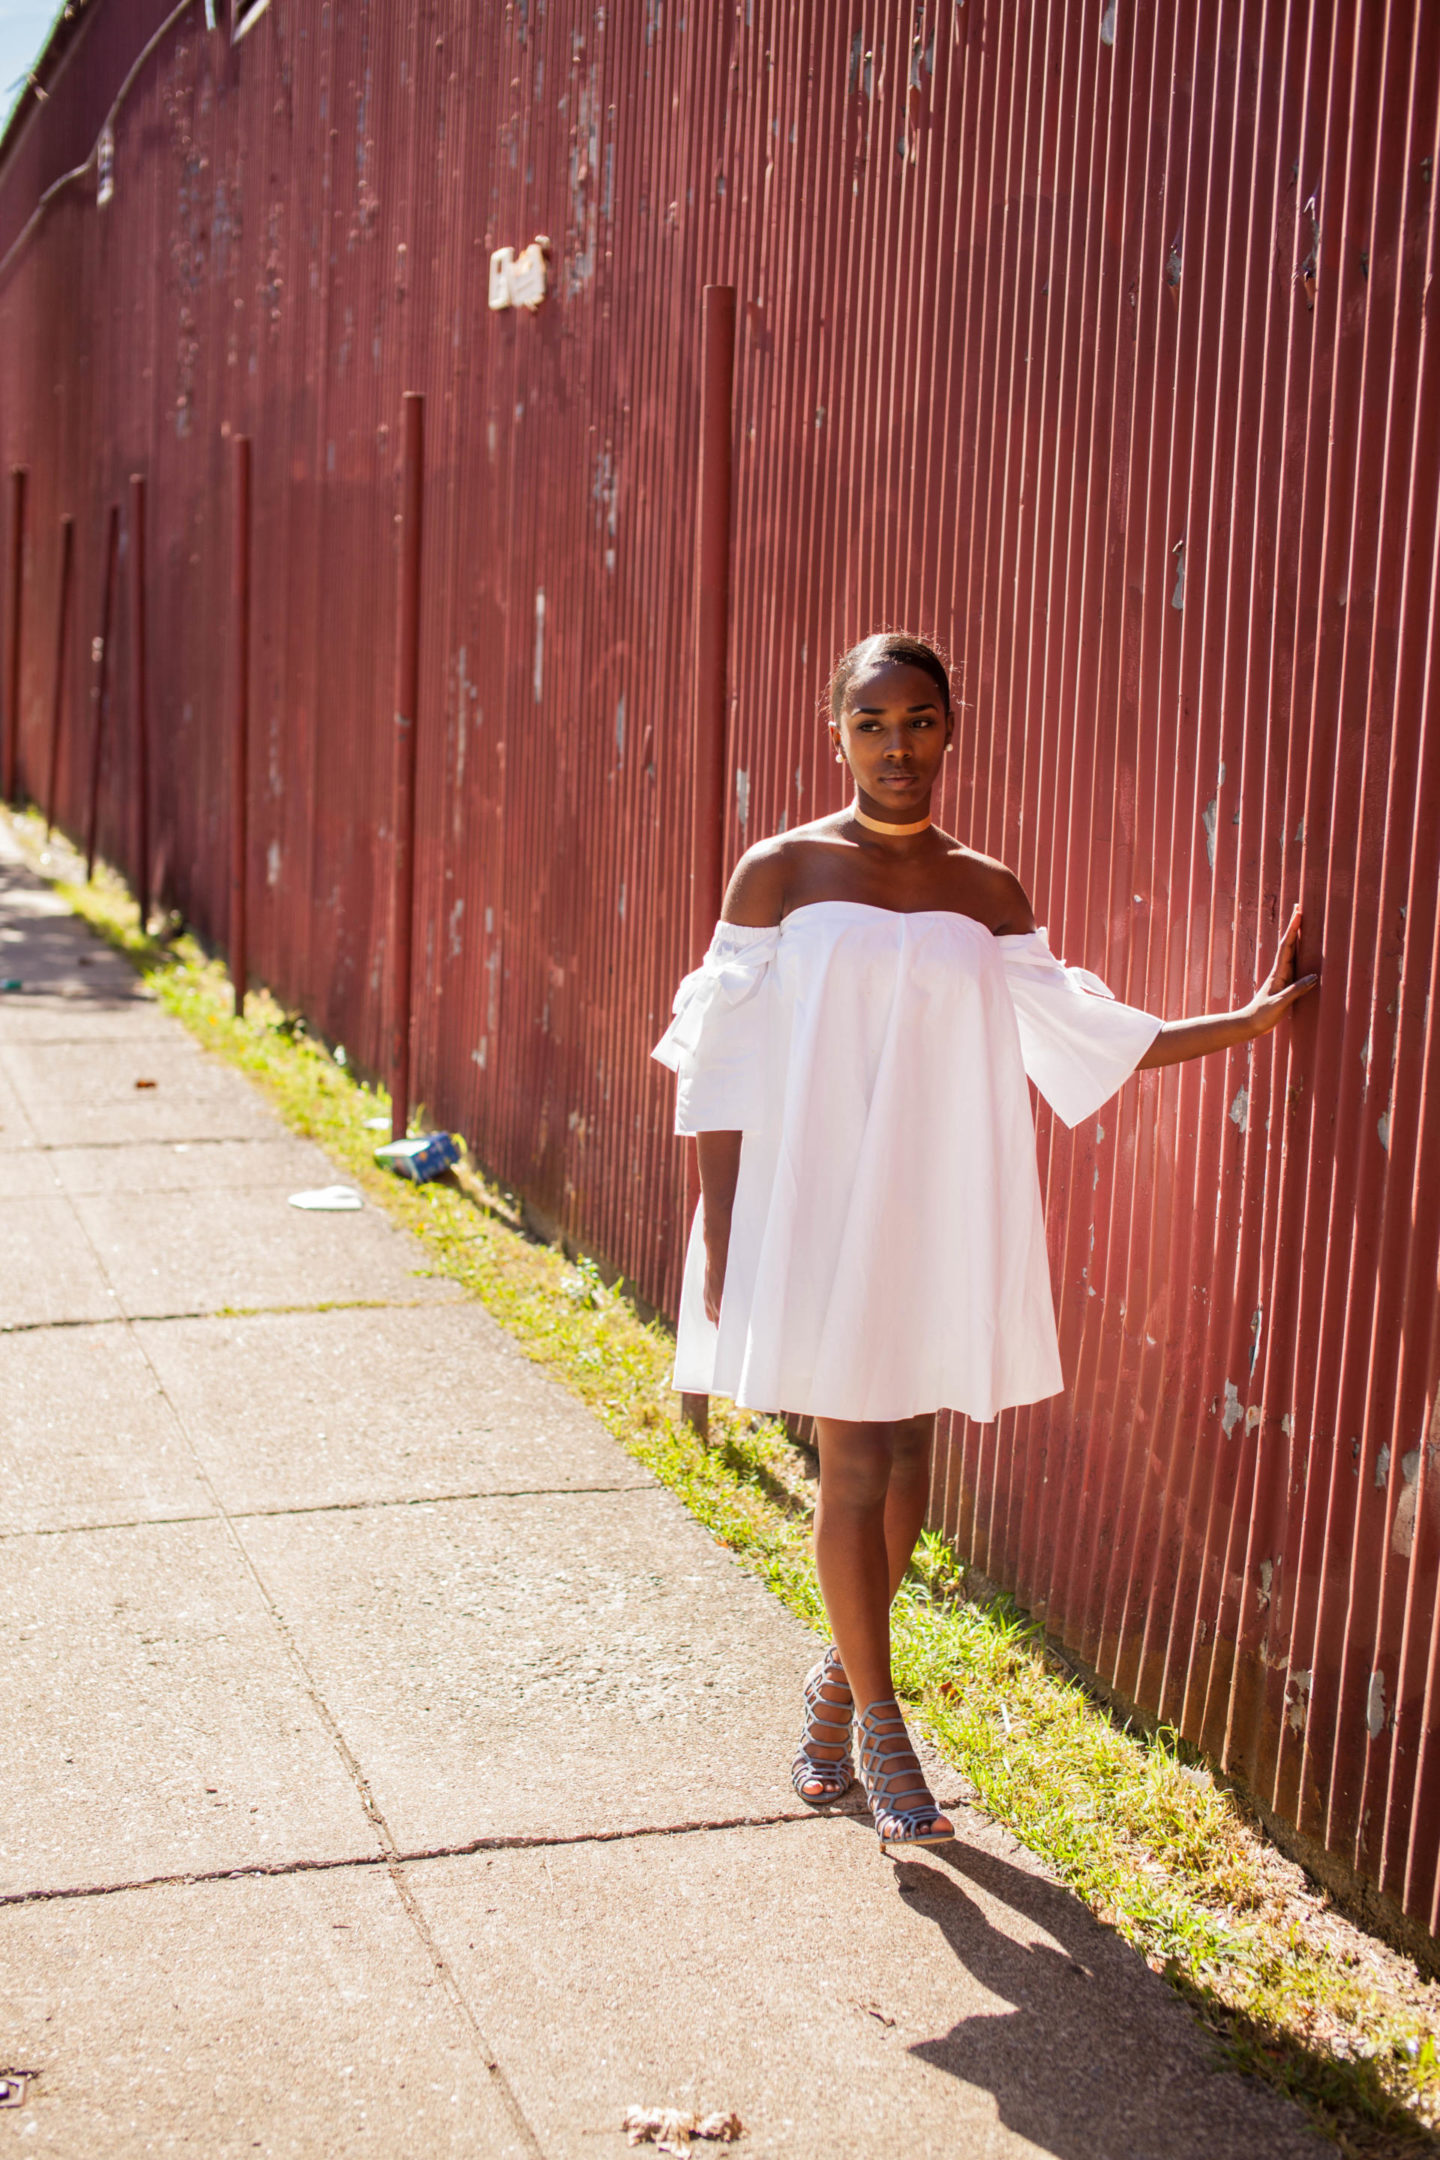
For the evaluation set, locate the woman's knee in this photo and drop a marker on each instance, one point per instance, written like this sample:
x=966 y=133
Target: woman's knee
x=854 y=1467
x=853 y=1491
x=912 y=1441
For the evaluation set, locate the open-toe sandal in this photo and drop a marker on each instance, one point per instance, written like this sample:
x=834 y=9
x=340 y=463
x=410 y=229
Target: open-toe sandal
x=901 y=1803
x=827 y=1725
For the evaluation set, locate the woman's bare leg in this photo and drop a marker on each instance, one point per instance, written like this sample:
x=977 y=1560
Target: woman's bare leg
x=874 y=1481
x=851 y=1550
x=876 y=1471
x=908 y=1494
x=851 y=1559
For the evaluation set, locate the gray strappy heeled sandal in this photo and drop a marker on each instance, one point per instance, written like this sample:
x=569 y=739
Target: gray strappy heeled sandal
x=901 y=1803
x=838 y=1776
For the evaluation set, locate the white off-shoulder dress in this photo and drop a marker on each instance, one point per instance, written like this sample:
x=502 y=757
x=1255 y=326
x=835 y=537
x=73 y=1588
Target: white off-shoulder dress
x=887 y=1245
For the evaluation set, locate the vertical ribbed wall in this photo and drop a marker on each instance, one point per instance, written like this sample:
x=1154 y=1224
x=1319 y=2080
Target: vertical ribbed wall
x=1105 y=361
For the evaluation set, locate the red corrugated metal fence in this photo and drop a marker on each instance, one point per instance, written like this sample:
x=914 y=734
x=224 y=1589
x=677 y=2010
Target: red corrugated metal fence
x=1093 y=339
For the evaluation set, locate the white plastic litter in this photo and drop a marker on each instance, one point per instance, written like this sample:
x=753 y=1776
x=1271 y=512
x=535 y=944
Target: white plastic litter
x=328 y=1200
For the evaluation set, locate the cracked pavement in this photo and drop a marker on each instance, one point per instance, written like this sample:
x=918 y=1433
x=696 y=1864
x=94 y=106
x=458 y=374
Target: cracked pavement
x=393 y=1766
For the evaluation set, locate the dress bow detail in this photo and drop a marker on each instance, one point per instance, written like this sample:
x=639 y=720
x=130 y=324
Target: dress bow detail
x=716 y=1042
x=724 y=978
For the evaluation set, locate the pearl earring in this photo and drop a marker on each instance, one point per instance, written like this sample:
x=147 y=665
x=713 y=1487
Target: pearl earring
x=839 y=757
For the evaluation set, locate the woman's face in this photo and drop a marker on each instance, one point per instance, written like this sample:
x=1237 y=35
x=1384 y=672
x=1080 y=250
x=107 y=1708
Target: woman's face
x=893 y=731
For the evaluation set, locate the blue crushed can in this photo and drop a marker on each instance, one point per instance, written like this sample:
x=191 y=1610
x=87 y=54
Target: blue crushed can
x=430 y=1156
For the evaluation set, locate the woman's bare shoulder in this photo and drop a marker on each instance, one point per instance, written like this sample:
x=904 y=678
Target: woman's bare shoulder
x=1006 y=906
x=766 y=873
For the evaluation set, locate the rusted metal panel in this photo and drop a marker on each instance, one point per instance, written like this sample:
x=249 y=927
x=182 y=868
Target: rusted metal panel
x=1092 y=341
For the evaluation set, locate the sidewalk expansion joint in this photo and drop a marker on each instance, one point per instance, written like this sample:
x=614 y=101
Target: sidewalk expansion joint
x=167 y=1144
x=107 y=1147
x=222 y=1312
x=333 y=1507
x=77 y=1042
x=518 y=1841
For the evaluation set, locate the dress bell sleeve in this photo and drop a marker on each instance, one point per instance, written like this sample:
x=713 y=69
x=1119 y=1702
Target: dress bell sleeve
x=717 y=1042
x=1078 y=1041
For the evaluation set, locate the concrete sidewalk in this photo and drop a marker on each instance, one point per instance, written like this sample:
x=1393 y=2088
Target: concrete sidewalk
x=392 y=1767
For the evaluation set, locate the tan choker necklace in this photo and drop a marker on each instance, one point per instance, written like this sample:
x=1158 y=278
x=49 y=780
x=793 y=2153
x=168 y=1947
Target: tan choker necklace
x=895 y=832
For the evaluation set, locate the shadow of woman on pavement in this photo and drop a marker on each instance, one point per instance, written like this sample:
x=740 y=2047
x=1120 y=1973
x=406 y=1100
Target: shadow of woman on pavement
x=1089 y=2054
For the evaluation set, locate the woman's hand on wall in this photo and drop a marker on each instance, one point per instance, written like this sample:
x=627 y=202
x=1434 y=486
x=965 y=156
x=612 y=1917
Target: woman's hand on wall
x=1283 y=985
x=1182 y=1039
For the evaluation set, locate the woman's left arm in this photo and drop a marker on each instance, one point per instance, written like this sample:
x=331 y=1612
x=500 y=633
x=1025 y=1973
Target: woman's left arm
x=1181 y=1039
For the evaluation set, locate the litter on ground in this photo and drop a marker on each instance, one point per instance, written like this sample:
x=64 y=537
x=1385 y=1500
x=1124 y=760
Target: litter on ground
x=429 y=1156
x=328 y=1200
x=669 y=2130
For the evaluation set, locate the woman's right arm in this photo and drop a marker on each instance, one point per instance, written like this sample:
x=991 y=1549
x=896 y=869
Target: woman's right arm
x=755 y=899
x=719 y=1174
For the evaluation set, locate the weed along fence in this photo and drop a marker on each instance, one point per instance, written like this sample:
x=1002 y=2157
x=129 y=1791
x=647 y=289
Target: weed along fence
x=1093 y=339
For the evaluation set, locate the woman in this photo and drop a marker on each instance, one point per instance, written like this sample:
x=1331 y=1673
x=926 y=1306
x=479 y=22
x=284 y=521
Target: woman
x=852 y=1058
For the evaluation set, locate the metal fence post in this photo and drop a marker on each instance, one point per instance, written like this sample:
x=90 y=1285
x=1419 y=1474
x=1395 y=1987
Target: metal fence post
x=138 y=689
x=712 y=614
x=407 y=687
x=62 y=639
x=240 y=712
x=712 y=637
x=100 y=661
x=12 y=631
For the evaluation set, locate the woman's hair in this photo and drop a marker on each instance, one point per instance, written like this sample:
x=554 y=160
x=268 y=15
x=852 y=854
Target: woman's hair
x=899 y=645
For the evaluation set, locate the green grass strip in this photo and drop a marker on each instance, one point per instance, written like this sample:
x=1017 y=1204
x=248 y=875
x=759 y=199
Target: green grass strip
x=1134 y=1825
